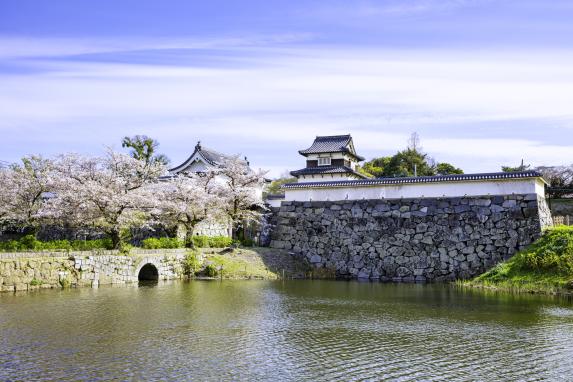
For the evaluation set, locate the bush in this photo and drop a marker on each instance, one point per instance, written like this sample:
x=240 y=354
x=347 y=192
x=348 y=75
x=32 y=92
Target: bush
x=201 y=241
x=211 y=270
x=162 y=243
x=220 y=242
x=30 y=243
x=248 y=243
x=553 y=252
x=87 y=245
x=191 y=264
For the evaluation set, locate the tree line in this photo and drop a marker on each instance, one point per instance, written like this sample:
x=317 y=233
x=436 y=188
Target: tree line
x=117 y=191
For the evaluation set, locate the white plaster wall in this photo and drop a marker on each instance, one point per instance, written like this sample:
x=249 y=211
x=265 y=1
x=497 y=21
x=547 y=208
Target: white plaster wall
x=274 y=202
x=331 y=155
x=324 y=178
x=419 y=190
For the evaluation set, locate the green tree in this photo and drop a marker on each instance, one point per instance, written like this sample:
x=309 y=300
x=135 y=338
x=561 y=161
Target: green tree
x=447 y=169
x=521 y=167
x=275 y=186
x=375 y=167
x=409 y=162
x=144 y=148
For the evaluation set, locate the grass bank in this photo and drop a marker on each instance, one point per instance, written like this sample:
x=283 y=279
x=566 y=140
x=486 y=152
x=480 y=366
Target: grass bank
x=245 y=263
x=544 y=267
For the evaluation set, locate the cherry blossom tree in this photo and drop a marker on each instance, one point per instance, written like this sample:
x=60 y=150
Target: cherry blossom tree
x=24 y=188
x=107 y=192
x=240 y=191
x=5 y=192
x=188 y=200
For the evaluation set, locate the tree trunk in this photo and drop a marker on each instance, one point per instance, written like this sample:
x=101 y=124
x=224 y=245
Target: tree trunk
x=115 y=236
x=189 y=229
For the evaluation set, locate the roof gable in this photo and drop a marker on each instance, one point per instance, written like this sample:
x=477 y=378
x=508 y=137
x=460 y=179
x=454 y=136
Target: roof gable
x=209 y=157
x=332 y=144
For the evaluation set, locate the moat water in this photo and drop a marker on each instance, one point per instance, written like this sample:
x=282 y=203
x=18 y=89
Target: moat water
x=295 y=330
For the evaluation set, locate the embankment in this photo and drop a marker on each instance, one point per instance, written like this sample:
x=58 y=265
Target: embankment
x=543 y=267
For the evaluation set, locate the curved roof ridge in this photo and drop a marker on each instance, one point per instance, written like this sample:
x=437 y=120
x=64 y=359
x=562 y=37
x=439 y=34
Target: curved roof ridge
x=419 y=179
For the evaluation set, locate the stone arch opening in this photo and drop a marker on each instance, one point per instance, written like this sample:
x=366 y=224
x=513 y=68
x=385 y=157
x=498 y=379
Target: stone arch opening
x=148 y=272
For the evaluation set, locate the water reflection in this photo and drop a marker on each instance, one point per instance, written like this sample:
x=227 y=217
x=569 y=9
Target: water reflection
x=297 y=330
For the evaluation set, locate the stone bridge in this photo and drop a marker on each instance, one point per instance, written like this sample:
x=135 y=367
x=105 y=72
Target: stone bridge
x=28 y=271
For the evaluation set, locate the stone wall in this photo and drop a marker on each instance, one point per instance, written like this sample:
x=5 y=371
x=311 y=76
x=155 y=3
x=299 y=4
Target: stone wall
x=433 y=239
x=28 y=271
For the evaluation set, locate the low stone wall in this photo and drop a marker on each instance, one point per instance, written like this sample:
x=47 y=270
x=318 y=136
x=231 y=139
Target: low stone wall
x=433 y=239
x=29 y=271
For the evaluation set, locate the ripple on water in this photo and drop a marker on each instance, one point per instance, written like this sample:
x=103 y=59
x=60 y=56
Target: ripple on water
x=300 y=330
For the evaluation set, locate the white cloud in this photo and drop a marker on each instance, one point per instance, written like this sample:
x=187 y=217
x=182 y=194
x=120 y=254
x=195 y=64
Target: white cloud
x=285 y=96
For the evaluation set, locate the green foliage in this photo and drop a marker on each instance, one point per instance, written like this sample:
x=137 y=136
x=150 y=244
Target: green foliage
x=552 y=253
x=375 y=168
x=162 y=243
x=30 y=243
x=211 y=270
x=447 y=169
x=212 y=242
x=35 y=282
x=275 y=186
x=248 y=242
x=143 y=148
x=125 y=248
x=409 y=162
x=88 y=245
x=65 y=283
x=201 y=241
x=543 y=266
x=192 y=263
x=521 y=167
x=220 y=242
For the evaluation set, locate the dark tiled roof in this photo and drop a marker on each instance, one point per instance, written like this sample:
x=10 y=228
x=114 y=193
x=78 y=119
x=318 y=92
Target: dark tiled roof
x=326 y=170
x=330 y=144
x=212 y=157
x=419 y=179
x=275 y=196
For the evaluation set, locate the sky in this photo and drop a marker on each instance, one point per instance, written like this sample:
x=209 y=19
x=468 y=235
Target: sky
x=484 y=83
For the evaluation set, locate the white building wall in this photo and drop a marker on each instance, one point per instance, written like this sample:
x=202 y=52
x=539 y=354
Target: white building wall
x=419 y=190
x=274 y=202
x=324 y=178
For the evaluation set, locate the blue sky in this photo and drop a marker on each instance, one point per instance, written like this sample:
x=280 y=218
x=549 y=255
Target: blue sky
x=484 y=83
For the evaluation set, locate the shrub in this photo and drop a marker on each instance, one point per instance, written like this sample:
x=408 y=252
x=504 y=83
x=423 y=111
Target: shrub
x=29 y=242
x=248 y=243
x=87 y=245
x=201 y=241
x=11 y=245
x=162 y=243
x=35 y=282
x=553 y=252
x=220 y=241
x=211 y=270
x=191 y=264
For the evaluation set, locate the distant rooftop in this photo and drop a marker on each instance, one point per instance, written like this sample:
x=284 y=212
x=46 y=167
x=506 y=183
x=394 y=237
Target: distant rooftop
x=212 y=157
x=332 y=144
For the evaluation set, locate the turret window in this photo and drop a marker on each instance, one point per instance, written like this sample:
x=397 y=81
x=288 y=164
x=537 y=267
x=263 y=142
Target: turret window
x=324 y=161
